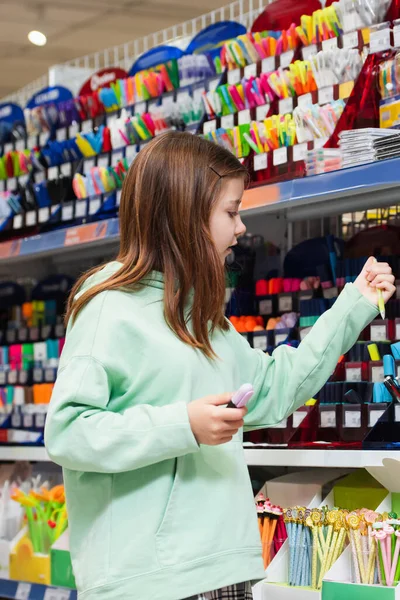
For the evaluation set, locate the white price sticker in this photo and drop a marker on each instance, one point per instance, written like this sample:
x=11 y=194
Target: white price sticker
x=31 y=218
x=67 y=212
x=265 y=307
x=87 y=126
x=73 y=130
x=80 y=208
x=228 y=122
x=46 y=330
x=52 y=173
x=213 y=84
x=285 y=303
x=118 y=201
x=40 y=177
x=281 y=425
x=260 y=342
x=280 y=337
x=350 y=40
x=198 y=94
x=60 y=330
x=43 y=137
x=286 y=58
x=11 y=184
x=40 y=420
x=20 y=145
x=28 y=421
x=244 y=117
x=23 y=591
x=325 y=95
x=94 y=205
x=11 y=336
x=234 y=76
x=328 y=418
x=209 y=126
x=8 y=148
x=139 y=108
x=353 y=374
x=260 y=161
x=285 y=106
x=32 y=142
x=320 y=143
x=352 y=419
x=304 y=101
x=262 y=112
x=23 y=377
x=2 y=185
x=378 y=333
x=397 y=413
x=88 y=164
x=377 y=374
x=298 y=418
x=57 y=594
x=130 y=154
x=12 y=377
x=280 y=156
x=300 y=152
x=103 y=160
x=66 y=169
x=250 y=71
x=309 y=51
x=374 y=416
x=379 y=40
x=2 y=377
x=49 y=375
x=330 y=44
x=397 y=332
x=22 y=334
x=44 y=214
x=23 y=180
x=61 y=134
x=304 y=332
x=396 y=35
x=37 y=375
x=268 y=64
x=18 y=221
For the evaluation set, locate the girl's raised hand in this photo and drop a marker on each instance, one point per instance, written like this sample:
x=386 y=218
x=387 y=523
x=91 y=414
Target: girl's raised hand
x=376 y=276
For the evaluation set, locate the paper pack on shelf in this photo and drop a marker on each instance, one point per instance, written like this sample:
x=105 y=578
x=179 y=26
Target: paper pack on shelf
x=61 y=566
x=25 y=565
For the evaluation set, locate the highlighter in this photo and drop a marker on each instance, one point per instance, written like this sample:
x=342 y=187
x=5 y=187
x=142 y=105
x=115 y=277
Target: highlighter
x=242 y=396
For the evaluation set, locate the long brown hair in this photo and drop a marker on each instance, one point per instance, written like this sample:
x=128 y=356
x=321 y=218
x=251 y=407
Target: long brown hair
x=165 y=209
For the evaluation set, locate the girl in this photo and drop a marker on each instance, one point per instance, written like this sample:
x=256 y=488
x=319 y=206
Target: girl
x=159 y=497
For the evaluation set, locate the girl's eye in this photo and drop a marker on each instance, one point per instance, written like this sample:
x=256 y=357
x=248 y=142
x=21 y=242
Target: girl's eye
x=233 y=214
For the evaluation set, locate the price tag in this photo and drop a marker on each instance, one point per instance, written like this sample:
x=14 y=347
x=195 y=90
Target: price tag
x=330 y=44
x=61 y=134
x=279 y=338
x=32 y=142
x=34 y=334
x=37 y=375
x=52 y=173
x=23 y=377
x=40 y=420
x=182 y=96
x=20 y=145
x=378 y=333
x=139 y=108
x=396 y=35
x=23 y=180
x=260 y=342
x=11 y=336
x=260 y=161
x=379 y=40
x=304 y=101
x=213 y=84
x=397 y=332
x=325 y=95
x=60 y=330
x=209 y=126
x=118 y=201
x=353 y=374
x=2 y=377
x=268 y=64
x=250 y=71
x=327 y=418
x=265 y=307
x=22 y=334
x=228 y=122
x=397 y=413
x=280 y=156
x=56 y=594
x=66 y=169
x=352 y=419
x=94 y=205
x=30 y=218
x=88 y=164
x=130 y=154
x=298 y=418
x=285 y=303
x=12 y=377
x=46 y=330
x=262 y=112
x=40 y=177
x=67 y=212
x=11 y=184
x=198 y=94
x=300 y=152
x=320 y=143
x=285 y=106
x=309 y=51
x=286 y=58
x=73 y=130
x=8 y=148
x=80 y=208
x=350 y=40
x=44 y=214
x=374 y=416
x=244 y=117
x=49 y=375
x=43 y=138
x=234 y=76
x=103 y=160
x=377 y=374
x=28 y=421
x=87 y=126
x=304 y=332
x=111 y=119
x=281 y=425
x=2 y=185
x=23 y=591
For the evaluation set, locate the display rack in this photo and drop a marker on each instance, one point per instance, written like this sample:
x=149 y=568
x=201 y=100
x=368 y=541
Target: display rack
x=15 y=590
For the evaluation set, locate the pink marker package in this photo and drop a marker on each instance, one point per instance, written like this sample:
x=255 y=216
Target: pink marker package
x=242 y=396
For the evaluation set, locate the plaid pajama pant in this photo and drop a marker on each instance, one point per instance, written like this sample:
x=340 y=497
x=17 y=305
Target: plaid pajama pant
x=241 y=591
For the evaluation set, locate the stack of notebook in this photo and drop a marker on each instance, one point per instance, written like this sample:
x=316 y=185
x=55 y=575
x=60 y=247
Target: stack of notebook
x=362 y=146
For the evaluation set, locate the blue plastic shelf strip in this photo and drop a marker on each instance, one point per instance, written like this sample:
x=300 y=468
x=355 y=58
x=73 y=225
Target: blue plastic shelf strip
x=15 y=590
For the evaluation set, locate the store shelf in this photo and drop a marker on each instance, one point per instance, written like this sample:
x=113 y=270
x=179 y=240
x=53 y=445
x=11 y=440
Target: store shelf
x=16 y=590
x=273 y=457
x=357 y=188
x=32 y=453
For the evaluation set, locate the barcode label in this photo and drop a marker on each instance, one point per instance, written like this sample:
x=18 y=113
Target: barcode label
x=23 y=591
x=374 y=416
x=352 y=419
x=353 y=374
x=233 y=76
x=378 y=333
x=260 y=342
x=56 y=594
x=328 y=418
x=228 y=122
x=298 y=418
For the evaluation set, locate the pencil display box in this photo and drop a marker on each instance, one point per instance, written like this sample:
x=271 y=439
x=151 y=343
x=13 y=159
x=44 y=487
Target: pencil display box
x=61 y=566
x=25 y=564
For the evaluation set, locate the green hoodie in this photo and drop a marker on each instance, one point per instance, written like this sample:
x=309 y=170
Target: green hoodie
x=153 y=515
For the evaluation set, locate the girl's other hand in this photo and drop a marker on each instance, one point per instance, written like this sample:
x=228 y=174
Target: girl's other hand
x=211 y=422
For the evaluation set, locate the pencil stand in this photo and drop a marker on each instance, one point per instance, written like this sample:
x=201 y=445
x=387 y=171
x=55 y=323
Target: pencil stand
x=300 y=557
x=25 y=564
x=364 y=565
x=385 y=434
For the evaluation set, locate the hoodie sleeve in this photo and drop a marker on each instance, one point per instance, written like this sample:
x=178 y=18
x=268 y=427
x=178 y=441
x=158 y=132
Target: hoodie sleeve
x=286 y=380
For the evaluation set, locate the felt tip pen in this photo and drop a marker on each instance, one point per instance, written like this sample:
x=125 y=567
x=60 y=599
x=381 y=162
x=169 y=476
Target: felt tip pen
x=392 y=388
x=242 y=396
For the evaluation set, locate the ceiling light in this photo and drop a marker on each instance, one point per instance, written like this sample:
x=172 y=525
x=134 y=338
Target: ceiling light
x=37 y=38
